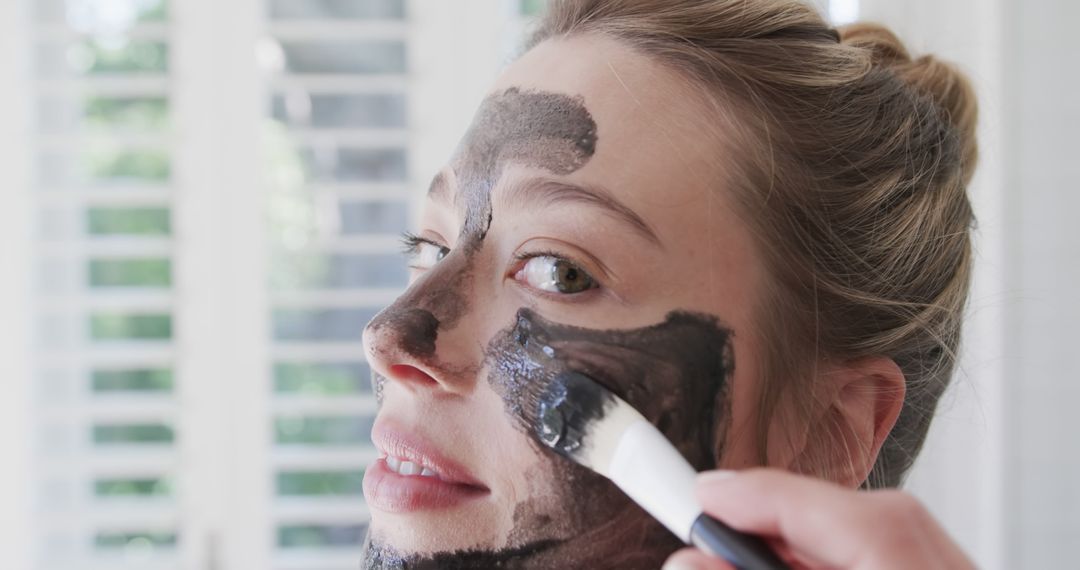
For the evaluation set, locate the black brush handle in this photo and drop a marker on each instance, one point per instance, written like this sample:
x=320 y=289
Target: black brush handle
x=744 y=551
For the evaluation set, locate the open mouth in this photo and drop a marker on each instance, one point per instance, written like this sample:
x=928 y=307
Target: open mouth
x=412 y=475
x=408 y=468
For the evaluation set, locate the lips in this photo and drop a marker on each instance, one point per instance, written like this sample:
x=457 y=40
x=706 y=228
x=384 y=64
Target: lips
x=413 y=475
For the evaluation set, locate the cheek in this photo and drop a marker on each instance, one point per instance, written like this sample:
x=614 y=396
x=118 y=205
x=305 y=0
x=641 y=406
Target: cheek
x=507 y=451
x=742 y=440
x=529 y=485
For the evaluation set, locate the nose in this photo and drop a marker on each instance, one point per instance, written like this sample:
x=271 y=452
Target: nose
x=417 y=341
x=400 y=345
x=409 y=330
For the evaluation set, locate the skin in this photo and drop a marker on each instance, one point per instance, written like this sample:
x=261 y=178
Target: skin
x=677 y=278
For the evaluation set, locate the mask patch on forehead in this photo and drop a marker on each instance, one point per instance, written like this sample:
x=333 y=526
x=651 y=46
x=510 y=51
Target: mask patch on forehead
x=540 y=129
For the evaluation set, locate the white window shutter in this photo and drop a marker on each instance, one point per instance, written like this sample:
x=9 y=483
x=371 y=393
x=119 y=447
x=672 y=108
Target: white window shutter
x=103 y=375
x=336 y=153
x=16 y=412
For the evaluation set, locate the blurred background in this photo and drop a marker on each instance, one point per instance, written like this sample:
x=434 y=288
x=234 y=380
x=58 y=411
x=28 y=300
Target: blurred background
x=202 y=204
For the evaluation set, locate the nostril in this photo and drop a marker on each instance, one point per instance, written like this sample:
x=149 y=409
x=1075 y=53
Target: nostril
x=411 y=374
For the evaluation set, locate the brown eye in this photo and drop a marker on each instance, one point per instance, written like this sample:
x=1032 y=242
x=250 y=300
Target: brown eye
x=556 y=275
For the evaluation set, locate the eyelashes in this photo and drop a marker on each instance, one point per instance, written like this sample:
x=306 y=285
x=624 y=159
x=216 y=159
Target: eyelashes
x=422 y=253
x=410 y=242
x=548 y=273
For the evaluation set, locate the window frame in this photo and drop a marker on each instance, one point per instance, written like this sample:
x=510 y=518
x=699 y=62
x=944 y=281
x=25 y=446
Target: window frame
x=16 y=108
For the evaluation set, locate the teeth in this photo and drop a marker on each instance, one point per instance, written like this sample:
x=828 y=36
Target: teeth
x=408 y=468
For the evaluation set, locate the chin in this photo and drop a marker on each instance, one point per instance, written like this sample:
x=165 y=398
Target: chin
x=427 y=533
x=445 y=540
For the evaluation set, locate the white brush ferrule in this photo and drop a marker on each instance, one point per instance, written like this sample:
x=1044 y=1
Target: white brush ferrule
x=651 y=471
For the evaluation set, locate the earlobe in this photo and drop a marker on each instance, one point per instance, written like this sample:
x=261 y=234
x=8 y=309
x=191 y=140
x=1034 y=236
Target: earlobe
x=860 y=401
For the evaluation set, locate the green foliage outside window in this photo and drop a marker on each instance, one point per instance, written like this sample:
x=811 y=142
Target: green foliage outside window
x=532 y=7
x=153 y=11
x=323 y=430
x=321 y=483
x=130 y=327
x=133 y=433
x=126 y=57
x=140 y=165
x=132 y=380
x=130 y=272
x=134 y=488
x=142 y=113
x=321 y=536
x=110 y=540
x=322 y=378
x=128 y=221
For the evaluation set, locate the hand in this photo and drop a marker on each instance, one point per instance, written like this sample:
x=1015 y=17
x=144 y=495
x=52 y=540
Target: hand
x=814 y=524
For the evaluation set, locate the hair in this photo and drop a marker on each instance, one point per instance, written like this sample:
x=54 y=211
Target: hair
x=852 y=164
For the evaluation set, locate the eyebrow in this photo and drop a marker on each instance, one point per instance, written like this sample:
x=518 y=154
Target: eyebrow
x=551 y=191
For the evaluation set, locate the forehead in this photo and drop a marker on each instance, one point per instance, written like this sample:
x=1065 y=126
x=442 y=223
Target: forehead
x=658 y=149
x=651 y=121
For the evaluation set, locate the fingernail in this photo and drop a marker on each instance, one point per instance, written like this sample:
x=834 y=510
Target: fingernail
x=710 y=477
x=678 y=565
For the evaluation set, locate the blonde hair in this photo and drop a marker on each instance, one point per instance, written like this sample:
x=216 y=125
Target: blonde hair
x=852 y=168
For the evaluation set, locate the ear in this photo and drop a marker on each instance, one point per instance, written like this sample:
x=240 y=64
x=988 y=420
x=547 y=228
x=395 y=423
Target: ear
x=857 y=406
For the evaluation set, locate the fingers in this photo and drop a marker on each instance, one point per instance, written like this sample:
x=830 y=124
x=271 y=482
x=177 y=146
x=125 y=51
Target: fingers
x=808 y=514
x=694 y=559
x=826 y=525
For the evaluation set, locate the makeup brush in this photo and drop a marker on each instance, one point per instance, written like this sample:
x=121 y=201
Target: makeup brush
x=584 y=422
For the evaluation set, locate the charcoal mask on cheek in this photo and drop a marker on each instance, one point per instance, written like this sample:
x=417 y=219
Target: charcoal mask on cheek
x=676 y=373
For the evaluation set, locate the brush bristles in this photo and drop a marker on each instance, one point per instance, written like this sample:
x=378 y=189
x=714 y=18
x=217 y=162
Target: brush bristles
x=578 y=418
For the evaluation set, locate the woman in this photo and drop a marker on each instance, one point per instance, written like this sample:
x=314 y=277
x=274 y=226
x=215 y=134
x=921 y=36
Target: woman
x=752 y=227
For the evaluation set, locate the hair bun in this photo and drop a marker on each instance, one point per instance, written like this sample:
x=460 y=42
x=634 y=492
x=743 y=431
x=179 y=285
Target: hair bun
x=884 y=46
x=948 y=86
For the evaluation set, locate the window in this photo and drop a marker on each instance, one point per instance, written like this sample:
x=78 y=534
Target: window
x=337 y=133
x=217 y=191
x=103 y=184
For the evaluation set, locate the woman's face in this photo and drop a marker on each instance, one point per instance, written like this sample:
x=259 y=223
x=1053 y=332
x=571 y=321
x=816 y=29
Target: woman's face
x=581 y=223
